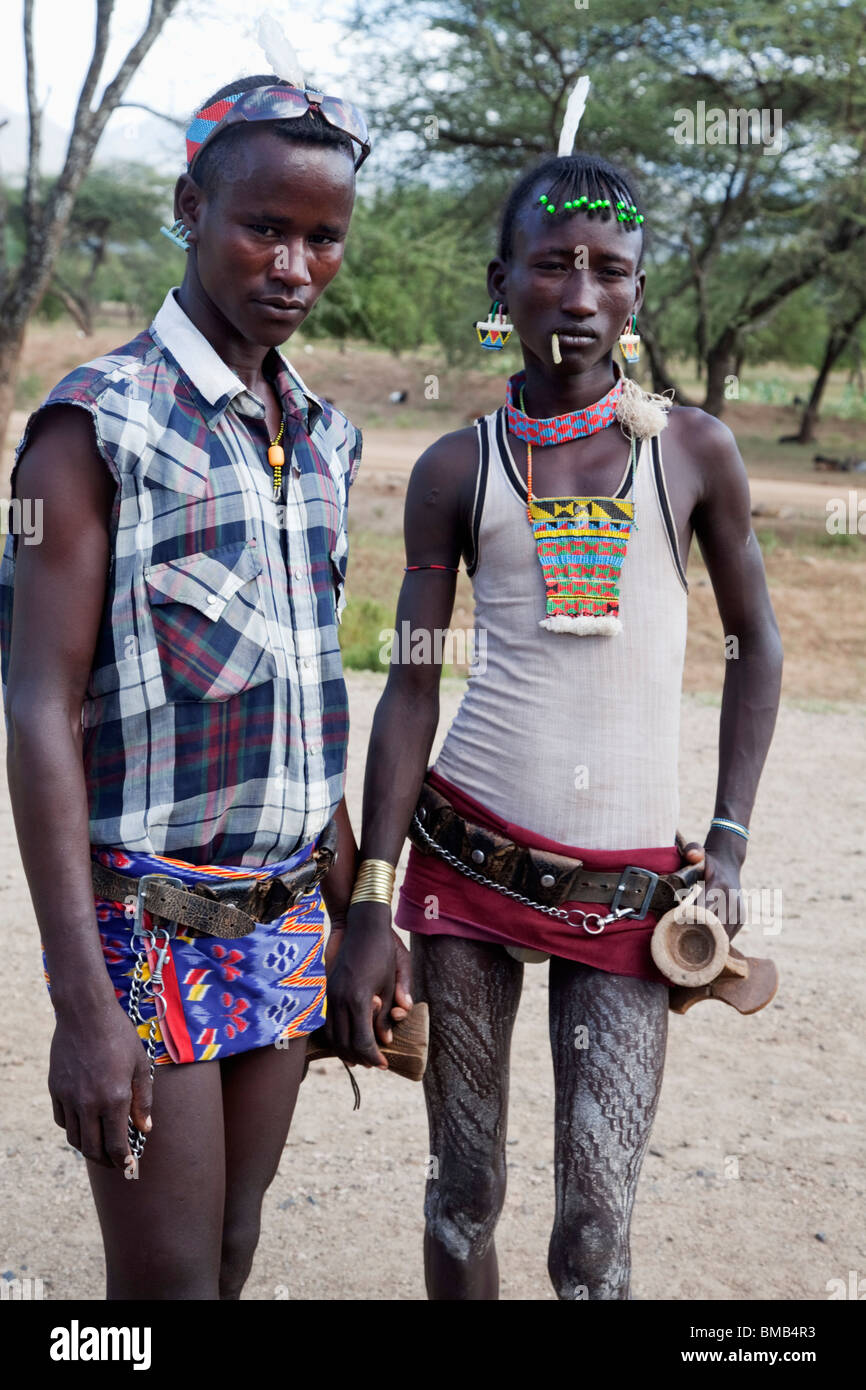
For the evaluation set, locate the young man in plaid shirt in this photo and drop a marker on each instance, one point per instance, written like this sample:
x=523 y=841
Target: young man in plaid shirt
x=176 y=706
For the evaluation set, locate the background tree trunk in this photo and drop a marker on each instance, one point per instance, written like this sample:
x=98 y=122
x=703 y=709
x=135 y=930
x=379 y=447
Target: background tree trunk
x=10 y=351
x=46 y=223
x=662 y=379
x=79 y=309
x=720 y=364
x=839 y=338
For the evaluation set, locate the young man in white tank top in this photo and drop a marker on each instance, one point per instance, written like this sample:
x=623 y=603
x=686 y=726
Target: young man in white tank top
x=583 y=671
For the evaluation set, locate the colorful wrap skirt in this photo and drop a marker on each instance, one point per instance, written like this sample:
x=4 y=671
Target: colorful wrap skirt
x=220 y=997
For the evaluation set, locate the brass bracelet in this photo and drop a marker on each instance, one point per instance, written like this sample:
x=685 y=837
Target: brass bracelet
x=379 y=880
x=374 y=882
x=375 y=867
x=371 y=897
x=379 y=887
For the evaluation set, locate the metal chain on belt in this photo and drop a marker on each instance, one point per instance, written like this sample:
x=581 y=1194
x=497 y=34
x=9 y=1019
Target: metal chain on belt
x=155 y=987
x=561 y=913
x=137 y=1140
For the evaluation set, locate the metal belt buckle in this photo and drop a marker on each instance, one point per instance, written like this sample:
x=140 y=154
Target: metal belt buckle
x=623 y=887
x=138 y=928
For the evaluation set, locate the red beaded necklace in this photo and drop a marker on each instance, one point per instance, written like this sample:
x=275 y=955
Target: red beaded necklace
x=558 y=429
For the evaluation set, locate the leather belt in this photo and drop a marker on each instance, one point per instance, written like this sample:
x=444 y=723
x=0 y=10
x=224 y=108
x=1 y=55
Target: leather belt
x=228 y=908
x=547 y=879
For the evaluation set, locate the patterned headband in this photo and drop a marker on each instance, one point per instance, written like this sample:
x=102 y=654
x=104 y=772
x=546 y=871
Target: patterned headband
x=281 y=103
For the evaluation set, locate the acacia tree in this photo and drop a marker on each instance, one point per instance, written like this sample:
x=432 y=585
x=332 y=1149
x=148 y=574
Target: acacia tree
x=46 y=215
x=481 y=90
x=114 y=208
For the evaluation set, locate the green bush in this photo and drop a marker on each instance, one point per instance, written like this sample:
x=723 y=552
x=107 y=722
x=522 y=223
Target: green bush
x=852 y=405
x=841 y=541
x=768 y=540
x=29 y=390
x=360 y=640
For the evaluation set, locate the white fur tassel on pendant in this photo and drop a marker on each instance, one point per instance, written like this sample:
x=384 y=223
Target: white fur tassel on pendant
x=583 y=627
x=642 y=413
x=573 y=113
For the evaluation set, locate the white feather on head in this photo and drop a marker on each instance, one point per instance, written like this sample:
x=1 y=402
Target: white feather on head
x=573 y=113
x=279 y=52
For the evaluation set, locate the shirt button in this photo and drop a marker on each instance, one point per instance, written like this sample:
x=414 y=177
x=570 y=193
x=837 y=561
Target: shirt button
x=212 y=598
x=299 y=574
x=306 y=661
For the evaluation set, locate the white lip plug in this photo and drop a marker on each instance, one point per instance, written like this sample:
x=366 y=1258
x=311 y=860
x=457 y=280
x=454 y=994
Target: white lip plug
x=554 y=347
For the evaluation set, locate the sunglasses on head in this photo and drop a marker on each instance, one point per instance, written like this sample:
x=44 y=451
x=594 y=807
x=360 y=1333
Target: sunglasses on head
x=275 y=104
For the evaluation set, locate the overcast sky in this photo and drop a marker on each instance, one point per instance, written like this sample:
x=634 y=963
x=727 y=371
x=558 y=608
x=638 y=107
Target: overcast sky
x=206 y=44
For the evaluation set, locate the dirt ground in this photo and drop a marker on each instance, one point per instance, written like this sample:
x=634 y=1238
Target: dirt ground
x=753 y=1186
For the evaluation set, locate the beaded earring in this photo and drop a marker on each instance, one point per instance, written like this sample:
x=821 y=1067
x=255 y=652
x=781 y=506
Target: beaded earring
x=629 y=341
x=494 y=331
x=177 y=233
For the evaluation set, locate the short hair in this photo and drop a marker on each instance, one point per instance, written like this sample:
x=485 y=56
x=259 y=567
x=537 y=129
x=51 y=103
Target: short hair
x=311 y=128
x=570 y=177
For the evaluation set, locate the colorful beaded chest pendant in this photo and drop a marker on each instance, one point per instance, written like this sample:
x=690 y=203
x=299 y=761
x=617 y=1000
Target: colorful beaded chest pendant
x=581 y=541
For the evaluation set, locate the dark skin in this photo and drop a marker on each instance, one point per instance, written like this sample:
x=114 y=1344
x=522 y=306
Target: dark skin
x=163 y=1240
x=546 y=292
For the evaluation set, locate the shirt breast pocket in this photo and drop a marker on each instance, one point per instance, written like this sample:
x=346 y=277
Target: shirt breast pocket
x=209 y=624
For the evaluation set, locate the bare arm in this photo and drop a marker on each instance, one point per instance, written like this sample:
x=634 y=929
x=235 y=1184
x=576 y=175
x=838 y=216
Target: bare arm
x=404 y=726
x=337 y=885
x=753 y=673
x=97 y=1060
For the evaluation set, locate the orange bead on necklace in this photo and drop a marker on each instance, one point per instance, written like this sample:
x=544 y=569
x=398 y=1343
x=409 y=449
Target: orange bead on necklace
x=276 y=458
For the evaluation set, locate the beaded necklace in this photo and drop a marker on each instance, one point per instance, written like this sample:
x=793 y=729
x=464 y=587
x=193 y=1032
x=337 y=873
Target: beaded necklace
x=581 y=544
x=558 y=429
x=276 y=458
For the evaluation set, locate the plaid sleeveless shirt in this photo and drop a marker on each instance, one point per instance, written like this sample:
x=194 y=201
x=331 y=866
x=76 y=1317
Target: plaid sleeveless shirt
x=215 y=719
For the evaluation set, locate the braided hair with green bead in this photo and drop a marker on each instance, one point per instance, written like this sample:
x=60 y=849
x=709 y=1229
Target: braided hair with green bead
x=624 y=211
x=575 y=183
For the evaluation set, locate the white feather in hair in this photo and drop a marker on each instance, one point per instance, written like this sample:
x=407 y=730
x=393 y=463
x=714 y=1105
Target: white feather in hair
x=573 y=112
x=279 y=52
